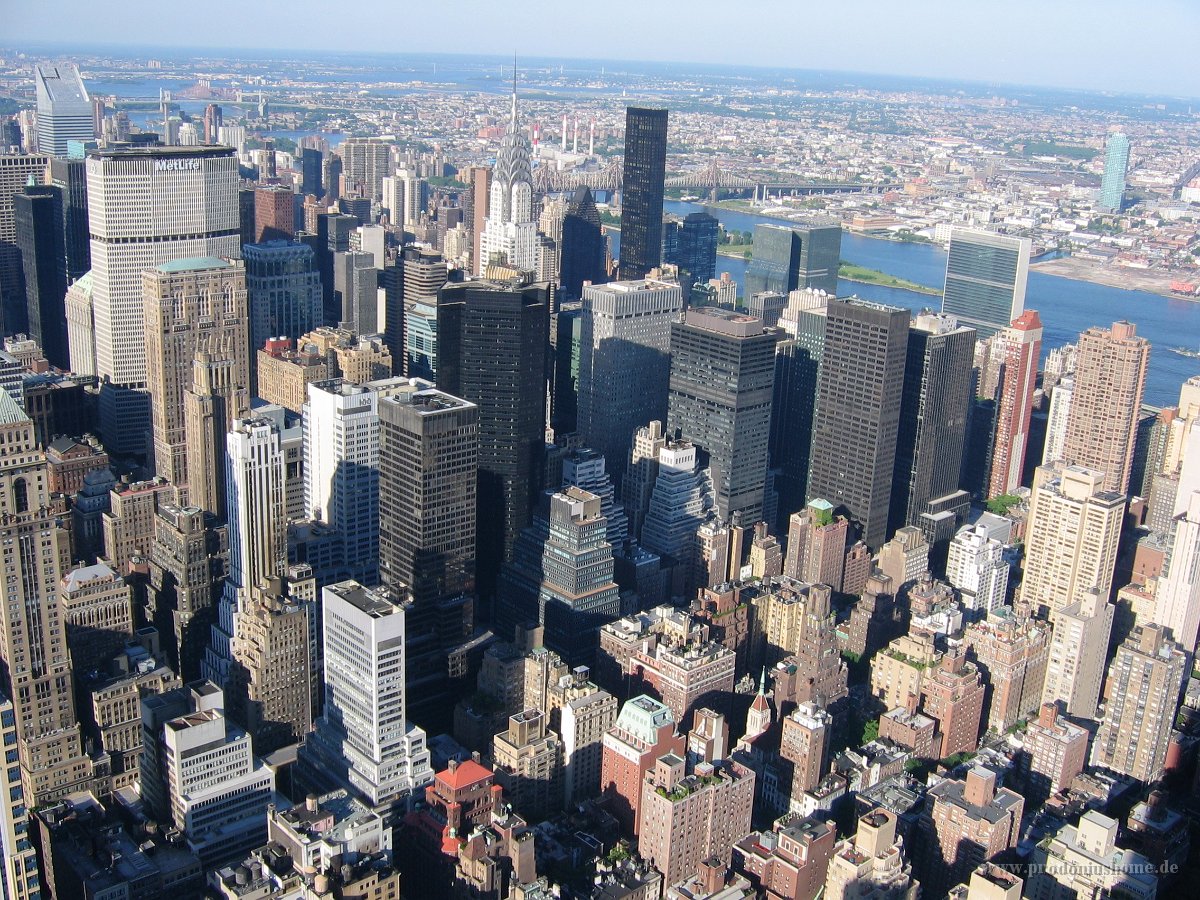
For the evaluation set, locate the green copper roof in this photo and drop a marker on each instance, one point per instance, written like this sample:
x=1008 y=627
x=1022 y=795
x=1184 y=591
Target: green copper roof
x=10 y=410
x=193 y=263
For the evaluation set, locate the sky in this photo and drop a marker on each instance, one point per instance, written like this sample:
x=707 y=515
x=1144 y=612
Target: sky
x=1135 y=47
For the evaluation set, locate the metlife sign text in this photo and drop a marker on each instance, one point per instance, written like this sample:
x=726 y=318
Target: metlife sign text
x=177 y=165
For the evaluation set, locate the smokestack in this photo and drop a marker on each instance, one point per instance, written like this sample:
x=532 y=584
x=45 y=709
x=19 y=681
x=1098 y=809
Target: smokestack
x=564 y=138
x=575 y=143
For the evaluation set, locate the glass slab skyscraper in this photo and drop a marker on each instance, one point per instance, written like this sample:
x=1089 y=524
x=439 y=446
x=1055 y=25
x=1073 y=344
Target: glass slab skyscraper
x=1116 y=164
x=986 y=275
x=793 y=257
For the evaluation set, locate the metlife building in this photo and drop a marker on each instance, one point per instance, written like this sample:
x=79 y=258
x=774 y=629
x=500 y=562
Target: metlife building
x=148 y=206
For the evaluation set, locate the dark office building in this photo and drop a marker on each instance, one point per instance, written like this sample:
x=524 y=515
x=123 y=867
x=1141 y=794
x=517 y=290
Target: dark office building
x=392 y=280
x=70 y=177
x=246 y=216
x=642 y=185
x=858 y=412
x=697 y=259
x=793 y=257
x=428 y=450
x=582 y=256
x=721 y=384
x=566 y=325
x=670 y=240
x=310 y=171
x=331 y=176
x=333 y=236
x=38 y=216
x=977 y=457
x=797 y=364
x=491 y=351
x=283 y=288
x=933 y=428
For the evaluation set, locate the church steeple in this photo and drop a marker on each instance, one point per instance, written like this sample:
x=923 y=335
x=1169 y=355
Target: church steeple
x=759 y=718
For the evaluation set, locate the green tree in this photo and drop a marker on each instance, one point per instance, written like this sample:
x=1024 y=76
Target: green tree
x=870 y=731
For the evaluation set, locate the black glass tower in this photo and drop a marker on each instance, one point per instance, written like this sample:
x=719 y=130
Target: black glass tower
x=38 y=216
x=70 y=177
x=697 y=249
x=310 y=171
x=492 y=343
x=642 y=185
x=858 y=412
x=793 y=257
x=721 y=386
x=797 y=363
x=582 y=246
x=933 y=428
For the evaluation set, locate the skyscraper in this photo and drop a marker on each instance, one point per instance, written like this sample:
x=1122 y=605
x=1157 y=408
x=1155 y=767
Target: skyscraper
x=797 y=362
x=1145 y=679
x=1116 y=164
x=491 y=351
x=310 y=169
x=341 y=469
x=364 y=739
x=70 y=177
x=561 y=577
x=33 y=645
x=698 y=248
x=1071 y=537
x=624 y=362
x=643 y=181
x=1177 y=603
x=428 y=453
x=794 y=257
x=1110 y=379
x=424 y=274
x=193 y=307
x=510 y=231
x=274 y=213
x=64 y=109
x=582 y=250
x=198 y=185
x=857 y=419
x=479 y=178
x=365 y=162
x=721 y=387
x=985 y=279
x=1078 y=648
x=38 y=215
x=284 y=290
x=255 y=484
x=16 y=172
x=933 y=427
x=1022 y=343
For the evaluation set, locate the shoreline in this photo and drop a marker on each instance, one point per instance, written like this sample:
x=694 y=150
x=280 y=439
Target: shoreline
x=1123 y=279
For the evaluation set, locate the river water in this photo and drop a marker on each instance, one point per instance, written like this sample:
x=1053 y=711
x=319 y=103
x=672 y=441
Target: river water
x=1066 y=306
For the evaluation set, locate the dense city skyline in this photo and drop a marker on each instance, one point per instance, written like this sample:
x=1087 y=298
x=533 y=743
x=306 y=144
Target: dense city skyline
x=623 y=483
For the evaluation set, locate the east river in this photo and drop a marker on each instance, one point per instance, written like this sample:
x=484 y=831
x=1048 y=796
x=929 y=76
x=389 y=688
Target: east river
x=1066 y=306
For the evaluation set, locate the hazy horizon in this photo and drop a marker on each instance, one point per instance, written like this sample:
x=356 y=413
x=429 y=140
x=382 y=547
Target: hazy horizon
x=1069 y=44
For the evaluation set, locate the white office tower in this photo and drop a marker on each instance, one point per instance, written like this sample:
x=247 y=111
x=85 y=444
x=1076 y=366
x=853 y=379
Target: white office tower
x=364 y=740
x=1056 y=426
x=256 y=497
x=393 y=198
x=232 y=136
x=1178 y=606
x=148 y=206
x=976 y=568
x=510 y=230
x=64 y=109
x=341 y=469
x=200 y=772
x=410 y=194
x=81 y=326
